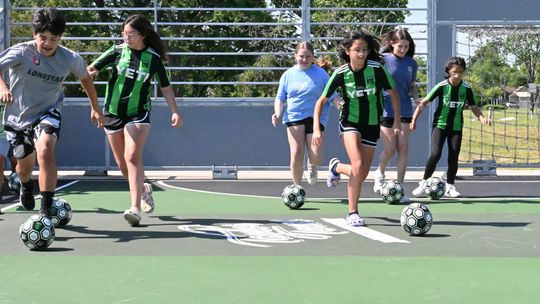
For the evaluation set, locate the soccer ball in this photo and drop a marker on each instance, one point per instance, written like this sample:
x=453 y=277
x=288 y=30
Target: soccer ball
x=392 y=192
x=14 y=182
x=37 y=232
x=293 y=196
x=435 y=188
x=60 y=211
x=416 y=219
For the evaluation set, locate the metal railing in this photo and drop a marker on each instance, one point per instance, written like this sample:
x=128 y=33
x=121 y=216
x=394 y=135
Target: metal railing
x=267 y=39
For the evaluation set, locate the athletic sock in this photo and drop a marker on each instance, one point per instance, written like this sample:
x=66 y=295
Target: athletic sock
x=46 y=200
x=28 y=186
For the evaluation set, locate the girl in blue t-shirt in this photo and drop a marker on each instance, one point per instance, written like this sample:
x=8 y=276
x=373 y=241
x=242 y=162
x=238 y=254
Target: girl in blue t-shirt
x=299 y=88
x=398 y=52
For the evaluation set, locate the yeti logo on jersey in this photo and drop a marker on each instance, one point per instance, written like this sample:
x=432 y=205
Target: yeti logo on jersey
x=361 y=92
x=455 y=104
x=133 y=73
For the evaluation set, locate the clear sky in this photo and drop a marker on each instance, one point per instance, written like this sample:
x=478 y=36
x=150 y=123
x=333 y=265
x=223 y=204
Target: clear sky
x=418 y=32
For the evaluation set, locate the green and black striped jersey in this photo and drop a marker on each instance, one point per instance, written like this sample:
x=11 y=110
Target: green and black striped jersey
x=452 y=99
x=129 y=87
x=362 y=92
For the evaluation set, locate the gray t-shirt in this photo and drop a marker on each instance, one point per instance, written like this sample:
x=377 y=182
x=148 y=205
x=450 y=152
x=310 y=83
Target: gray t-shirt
x=36 y=81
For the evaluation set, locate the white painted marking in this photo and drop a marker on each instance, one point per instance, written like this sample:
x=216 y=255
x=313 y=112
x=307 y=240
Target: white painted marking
x=162 y=183
x=370 y=198
x=9 y=207
x=364 y=231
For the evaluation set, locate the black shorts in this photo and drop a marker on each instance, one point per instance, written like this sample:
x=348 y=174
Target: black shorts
x=113 y=123
x=369 y=133
x=388 y=122
x=308 y=125
x=22 y=141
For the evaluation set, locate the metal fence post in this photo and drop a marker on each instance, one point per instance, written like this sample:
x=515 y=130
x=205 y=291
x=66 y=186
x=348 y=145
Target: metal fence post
x=306 y=20
x=4 y=24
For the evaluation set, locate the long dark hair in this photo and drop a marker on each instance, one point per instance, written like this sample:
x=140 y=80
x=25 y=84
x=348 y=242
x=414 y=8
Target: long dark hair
x=396 y=35
x=49 y=19
x=372 y=41
x=452 y=61
x=151 y=37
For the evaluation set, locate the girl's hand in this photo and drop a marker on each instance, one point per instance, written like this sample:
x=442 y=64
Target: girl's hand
x=275 y=120
x=316 y=139
x=412 y=126
x=97 y=118
x=485 y=120
x=397 y=126
x=176 y=120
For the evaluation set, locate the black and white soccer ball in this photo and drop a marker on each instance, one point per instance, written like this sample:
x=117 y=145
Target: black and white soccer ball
x=435 y=188
x=293 y=196
x=37 y=232
x=60 y=212
x=392 y=192
x=416 y=219
x=14 y=182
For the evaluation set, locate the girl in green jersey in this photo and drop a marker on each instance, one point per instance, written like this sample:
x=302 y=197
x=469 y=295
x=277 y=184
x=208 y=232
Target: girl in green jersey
x=134 y=64
x=453 y=94
x=361 y=82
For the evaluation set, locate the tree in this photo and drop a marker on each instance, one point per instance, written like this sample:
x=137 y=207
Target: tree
x=325 y=36
x=492 y=71
x=189 y=32
x=524 y=44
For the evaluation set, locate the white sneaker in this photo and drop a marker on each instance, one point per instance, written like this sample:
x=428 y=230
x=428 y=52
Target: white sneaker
x=451 y=191
x=420 y=190
x=312 y=175
x=133 y=218
x=443 y=176
x=355 y=220
x=332 y=180
x=378 y=181
x=147 y=201
x=405 y=200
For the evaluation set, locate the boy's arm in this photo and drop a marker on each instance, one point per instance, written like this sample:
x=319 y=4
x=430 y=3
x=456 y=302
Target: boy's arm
x=88 y=85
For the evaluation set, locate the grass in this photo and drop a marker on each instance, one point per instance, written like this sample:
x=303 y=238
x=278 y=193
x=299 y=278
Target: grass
x=512 y=139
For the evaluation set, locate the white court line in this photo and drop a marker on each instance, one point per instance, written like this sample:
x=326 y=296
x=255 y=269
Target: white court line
x=37 y=196
x=364 y=231
x=318 y=199
x=162 y=183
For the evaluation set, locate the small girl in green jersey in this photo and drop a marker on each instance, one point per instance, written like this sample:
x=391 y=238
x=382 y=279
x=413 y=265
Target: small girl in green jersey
x=135 y=63
x=361 y=83
x=453 y=95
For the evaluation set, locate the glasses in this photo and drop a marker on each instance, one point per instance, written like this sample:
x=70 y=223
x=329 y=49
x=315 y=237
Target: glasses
x=130 y=35
x=365 y=51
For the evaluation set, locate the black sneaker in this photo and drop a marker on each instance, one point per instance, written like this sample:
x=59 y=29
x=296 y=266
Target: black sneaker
x=27 y=199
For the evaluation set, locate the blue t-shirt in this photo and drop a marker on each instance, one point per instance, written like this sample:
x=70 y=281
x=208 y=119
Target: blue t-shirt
x=300 y=89
x=403 y=70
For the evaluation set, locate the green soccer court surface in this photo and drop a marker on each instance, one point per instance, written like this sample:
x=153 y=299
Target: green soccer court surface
x=203 y=247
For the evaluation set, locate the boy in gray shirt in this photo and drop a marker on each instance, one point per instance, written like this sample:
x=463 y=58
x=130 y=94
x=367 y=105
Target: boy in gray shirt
x=32 y=119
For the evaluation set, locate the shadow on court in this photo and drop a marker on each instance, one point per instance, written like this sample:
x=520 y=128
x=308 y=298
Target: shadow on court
x=155 y=230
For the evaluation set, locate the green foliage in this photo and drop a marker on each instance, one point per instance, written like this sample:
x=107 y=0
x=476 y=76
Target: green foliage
x=421 y=76
x=510 y=58
x=271 y=51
